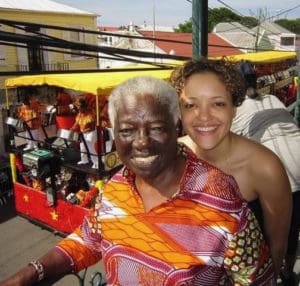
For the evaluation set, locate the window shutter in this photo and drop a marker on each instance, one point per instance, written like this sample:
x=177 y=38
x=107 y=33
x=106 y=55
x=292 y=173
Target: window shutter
x=67 y=37
x=22 y=55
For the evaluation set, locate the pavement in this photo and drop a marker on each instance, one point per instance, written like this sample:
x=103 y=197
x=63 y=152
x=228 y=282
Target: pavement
x=22 y=241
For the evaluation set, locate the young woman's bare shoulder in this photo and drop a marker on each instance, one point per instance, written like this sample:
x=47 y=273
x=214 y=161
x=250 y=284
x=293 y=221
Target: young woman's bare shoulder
x=183 y=139
x=187 y=141
x=262 y=161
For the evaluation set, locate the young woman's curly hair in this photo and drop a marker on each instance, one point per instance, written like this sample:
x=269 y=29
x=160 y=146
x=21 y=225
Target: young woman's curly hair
x=225 y=69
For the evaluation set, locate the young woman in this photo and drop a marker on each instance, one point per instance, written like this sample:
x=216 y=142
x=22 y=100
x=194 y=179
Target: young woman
x=265 y=119
x=209 y=92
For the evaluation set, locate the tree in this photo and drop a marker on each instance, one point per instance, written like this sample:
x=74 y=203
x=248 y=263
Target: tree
x=215 y=16
x=218 y=15
x=291 y=25
x=249 y=22
x=185 y=27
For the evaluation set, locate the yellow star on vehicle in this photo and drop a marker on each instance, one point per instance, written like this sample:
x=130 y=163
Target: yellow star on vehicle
x=26 y=198
x=54 y=215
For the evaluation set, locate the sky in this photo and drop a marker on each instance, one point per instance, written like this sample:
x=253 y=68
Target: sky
x=172 y=12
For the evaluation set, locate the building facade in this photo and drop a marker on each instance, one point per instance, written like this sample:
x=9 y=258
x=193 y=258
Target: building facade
x=26 y=24
x=33 y=56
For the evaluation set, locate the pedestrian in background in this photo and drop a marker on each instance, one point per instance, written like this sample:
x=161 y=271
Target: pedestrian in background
x=248 y=72
x=29 y=112
x=266 y=120
x=85 y=122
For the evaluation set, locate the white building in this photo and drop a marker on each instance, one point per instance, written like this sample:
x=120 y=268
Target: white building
x=134 y=42
x=281 y=38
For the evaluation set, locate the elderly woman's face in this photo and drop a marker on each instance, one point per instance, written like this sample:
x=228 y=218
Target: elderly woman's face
x=145 y=136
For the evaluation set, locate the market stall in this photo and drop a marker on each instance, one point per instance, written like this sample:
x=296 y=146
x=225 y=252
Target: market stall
x=274 y=71
x=50 y=187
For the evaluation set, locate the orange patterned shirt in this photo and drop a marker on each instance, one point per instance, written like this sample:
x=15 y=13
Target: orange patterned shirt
x=31 y=115
x=204 y=235
x=85 y=120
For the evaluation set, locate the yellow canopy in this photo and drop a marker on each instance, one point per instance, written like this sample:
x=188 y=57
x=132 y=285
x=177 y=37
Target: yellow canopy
x=101 y=83
x=98 y=83
x=264 y=57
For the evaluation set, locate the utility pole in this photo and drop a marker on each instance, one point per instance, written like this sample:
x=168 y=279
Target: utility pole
x=154 y=24
x=297 y=106
x=200 y=27
x=257 y=30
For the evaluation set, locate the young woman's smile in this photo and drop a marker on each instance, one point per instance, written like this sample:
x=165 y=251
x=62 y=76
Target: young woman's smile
x=207 y=109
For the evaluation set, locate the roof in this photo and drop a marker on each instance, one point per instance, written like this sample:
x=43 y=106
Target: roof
x=107 y=28
x=157 y=28
x=273 y=28
x=221 y=48
x=242 y=37
x=230 y=27
x=216 y=45
x=129 y=43
x=41 y=6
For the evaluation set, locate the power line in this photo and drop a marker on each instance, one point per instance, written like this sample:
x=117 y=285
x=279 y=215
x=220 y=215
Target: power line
x=259 y=20
x=62 y=28
x=35 y=26
x=44 y=42
x=230 y=8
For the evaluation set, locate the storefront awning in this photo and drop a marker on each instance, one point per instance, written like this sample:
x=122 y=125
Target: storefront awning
x=102 y=82
x=96 y=83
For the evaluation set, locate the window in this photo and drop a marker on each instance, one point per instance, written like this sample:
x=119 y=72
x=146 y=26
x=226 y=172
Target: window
x=2 y=53
x=106 y=40
x=77 y=37
x=287 y=41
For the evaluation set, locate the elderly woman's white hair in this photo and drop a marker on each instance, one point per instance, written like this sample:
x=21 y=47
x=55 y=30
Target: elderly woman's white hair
x=162 y=91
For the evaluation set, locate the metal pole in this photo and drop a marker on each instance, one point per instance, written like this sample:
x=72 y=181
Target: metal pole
x=204 y=28
x=200 y=27
x=154 y=24
x=196 y=27
x=297 y=107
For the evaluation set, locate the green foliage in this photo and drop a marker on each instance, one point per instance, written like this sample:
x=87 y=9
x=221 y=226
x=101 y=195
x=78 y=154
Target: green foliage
x=185 y=27
x=218 y=15
x=291 y=25
x=249 y=22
